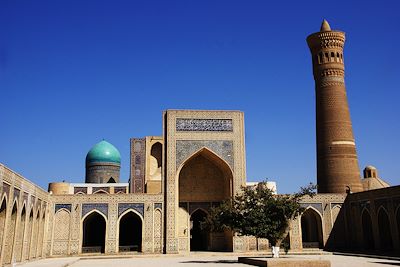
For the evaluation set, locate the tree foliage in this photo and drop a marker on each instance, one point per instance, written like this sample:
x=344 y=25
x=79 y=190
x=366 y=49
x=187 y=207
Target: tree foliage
x=256 y=211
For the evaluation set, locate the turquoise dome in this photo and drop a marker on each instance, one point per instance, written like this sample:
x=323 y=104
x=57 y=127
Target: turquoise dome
x=103 y=152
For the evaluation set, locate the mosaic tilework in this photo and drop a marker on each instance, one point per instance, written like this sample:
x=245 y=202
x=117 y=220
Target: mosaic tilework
x=223 y=148
x=62 y=206
x=102 y=207
x=202 y=125
x=122 y=207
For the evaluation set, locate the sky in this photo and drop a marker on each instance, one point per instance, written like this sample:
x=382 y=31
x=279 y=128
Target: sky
x=75 y=72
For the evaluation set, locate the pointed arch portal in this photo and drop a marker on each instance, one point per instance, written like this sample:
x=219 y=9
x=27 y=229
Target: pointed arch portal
x=204 y=179
x=385 y=235
x=367 y=230
x=311 y=229
x=3 y=211
x=130 y=232
x=94 y=233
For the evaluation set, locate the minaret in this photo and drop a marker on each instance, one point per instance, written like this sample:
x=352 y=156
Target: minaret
x=337 y=164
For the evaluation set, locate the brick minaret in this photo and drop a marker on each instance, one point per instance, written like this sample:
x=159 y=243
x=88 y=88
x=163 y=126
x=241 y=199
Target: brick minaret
x=337 y=164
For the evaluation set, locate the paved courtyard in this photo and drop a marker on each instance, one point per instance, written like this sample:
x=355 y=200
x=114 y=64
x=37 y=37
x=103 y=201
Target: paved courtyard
x=193 y=260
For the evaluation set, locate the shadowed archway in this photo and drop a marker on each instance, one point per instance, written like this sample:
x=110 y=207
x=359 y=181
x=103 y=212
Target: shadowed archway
x=311 y=229
x=369 y=243
x=3 y=211
x=94 y=233
x=385 y=235
x=398 y=220
x=130 y=232
x=198 y=236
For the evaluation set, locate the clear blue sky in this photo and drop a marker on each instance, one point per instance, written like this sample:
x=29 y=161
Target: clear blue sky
x=75 y=72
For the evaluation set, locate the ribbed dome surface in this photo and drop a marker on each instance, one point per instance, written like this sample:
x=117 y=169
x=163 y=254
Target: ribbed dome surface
x=103 y=152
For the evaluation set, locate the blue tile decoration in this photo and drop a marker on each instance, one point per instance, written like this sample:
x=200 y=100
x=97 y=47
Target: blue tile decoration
x=158 y=206
x=101 y=207
x=222 y=148
x=204 y=125
x=139 y=207
x=62 y=206
x=317 y=206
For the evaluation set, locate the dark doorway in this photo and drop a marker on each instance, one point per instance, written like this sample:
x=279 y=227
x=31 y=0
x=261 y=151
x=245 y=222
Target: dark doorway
x=311 y=229
x=367 y=231
x=94 y=233
x=398 y=220
x=198 y=236
x=385 y=234
x=130 y=232
x=3 y=211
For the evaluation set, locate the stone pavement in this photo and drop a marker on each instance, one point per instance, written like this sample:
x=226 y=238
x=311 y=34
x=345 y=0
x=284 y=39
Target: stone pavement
x=193 y=260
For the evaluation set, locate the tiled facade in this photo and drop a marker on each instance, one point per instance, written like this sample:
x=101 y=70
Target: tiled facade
x=197 y=162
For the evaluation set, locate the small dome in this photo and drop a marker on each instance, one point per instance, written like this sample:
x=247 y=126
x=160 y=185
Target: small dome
x=103 y=152
x=370 y=167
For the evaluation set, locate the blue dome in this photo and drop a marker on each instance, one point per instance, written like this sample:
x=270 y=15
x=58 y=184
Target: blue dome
x=103 y=152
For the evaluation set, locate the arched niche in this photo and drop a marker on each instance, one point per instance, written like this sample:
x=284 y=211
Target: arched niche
x=385 y=235
x=398 y=220
x=3 y=212
x=155 y=162
x=94 y=232
x=205 y=177
x=368 y=237
x=130 y=227
x=311 y=229
x=62 y=221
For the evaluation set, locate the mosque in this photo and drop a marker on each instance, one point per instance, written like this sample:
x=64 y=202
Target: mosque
x=197 y=162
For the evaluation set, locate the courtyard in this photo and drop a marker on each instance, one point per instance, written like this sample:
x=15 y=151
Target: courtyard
x=194 y=259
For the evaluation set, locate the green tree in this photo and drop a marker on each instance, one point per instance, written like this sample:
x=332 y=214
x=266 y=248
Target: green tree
x=256 y=211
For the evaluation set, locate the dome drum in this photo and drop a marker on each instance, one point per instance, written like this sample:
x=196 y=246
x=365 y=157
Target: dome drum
x=103 y=163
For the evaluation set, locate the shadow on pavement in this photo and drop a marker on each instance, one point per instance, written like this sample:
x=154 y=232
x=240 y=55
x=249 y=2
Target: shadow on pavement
x=387 y=263
x=208 y=262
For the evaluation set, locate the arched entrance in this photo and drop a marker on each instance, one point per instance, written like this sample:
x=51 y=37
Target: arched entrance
x=204 y=180
x=198 y=236
x=130 y=232
x=3 y=211
x=311 y=229
x=369 y=243
x=94 y=233
x=385 y=235
x=398 y=220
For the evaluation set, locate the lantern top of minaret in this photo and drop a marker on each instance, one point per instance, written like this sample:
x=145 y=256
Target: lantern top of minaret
x=325 y=26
